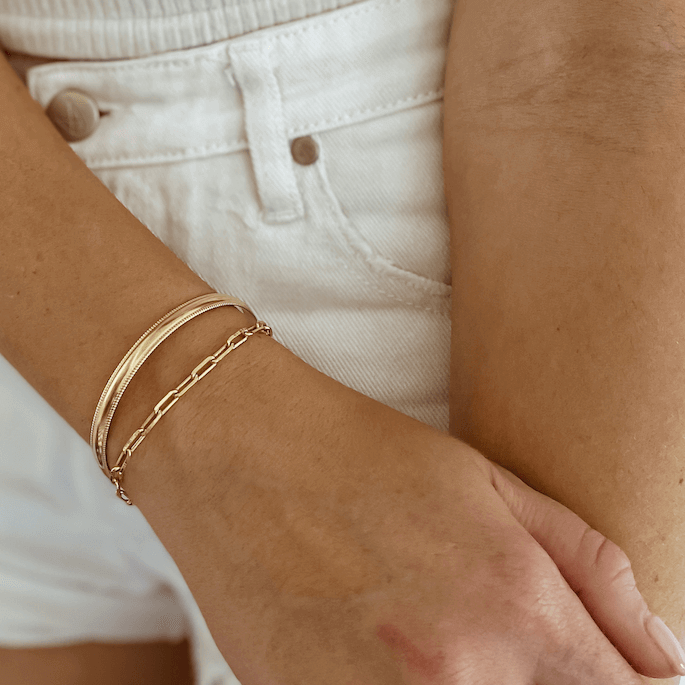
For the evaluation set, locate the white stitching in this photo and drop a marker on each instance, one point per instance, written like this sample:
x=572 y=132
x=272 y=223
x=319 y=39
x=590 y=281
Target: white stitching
x=320 y=177
x=391 y=295
x=278 y=123
x=241 y=143
x=433 y=95
x=176 y=156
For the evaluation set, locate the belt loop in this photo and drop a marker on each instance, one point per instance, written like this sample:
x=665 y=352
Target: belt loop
x=265 y=127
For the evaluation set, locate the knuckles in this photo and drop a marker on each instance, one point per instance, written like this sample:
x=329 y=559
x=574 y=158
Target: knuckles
x=605 y=560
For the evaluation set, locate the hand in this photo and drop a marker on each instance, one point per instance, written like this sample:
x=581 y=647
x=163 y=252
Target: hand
x=346 y=543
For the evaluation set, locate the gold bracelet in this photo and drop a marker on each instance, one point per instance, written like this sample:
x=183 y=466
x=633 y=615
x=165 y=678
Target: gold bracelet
x=134 y=359
x=173 y=396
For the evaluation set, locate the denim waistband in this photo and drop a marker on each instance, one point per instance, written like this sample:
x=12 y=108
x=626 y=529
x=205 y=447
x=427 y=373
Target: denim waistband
x=151 y=102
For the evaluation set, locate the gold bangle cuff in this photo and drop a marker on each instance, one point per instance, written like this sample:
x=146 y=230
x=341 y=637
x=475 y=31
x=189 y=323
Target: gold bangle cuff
x=134 y=359
x=173 y=396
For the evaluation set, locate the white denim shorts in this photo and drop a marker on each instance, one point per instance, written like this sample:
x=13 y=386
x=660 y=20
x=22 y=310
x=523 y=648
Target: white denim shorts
x=340 y=243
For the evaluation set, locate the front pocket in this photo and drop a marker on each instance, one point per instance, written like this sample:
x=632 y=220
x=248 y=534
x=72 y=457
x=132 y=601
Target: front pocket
x=383 y=182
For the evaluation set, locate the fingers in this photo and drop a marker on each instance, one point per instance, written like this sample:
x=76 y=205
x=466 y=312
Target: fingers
x=595 y=568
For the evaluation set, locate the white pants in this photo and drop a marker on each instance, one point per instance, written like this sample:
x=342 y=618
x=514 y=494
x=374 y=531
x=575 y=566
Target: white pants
x=344 y=254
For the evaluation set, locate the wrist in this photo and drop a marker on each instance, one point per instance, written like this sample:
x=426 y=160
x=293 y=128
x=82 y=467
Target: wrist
x=168 y=365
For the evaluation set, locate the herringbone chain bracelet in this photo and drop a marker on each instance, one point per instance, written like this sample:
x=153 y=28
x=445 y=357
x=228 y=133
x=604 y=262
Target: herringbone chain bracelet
x=170 y=399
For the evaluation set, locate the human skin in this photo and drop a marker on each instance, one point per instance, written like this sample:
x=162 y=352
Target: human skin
x=313 y=504
x=564 y=170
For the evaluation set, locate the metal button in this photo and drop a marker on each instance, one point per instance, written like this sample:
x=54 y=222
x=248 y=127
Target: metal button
x=305 y=151
x=75 y=114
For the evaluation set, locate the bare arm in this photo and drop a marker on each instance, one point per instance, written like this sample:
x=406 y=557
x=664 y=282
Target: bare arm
x=315 y=527
x=565 y=178
x=81 y=278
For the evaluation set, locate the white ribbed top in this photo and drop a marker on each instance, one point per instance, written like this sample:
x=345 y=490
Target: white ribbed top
x=111 y=29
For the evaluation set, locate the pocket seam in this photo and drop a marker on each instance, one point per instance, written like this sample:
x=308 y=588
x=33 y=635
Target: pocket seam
x=349 y=239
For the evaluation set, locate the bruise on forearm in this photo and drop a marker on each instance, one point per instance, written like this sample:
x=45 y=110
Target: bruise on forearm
x=565 y=181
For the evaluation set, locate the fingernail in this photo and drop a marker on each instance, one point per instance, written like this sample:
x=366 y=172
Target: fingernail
x=667 y=642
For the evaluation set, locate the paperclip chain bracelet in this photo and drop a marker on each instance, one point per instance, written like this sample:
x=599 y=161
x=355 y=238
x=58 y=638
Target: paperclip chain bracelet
x=173 y=396
x=134 y=358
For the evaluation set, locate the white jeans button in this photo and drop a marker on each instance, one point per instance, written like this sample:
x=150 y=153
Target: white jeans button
x=74 y=114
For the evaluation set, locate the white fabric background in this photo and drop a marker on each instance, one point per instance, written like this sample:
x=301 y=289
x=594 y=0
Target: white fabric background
x=112 y=29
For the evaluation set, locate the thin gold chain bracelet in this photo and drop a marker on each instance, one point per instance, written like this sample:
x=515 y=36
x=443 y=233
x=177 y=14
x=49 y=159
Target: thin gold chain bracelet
x=170 y=399
x=134 y=358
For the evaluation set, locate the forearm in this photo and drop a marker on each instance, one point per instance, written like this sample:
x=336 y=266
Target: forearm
x=80 y=277
x=564 y=169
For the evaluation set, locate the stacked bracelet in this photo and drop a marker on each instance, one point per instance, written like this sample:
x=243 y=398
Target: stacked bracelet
x=133 y=360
